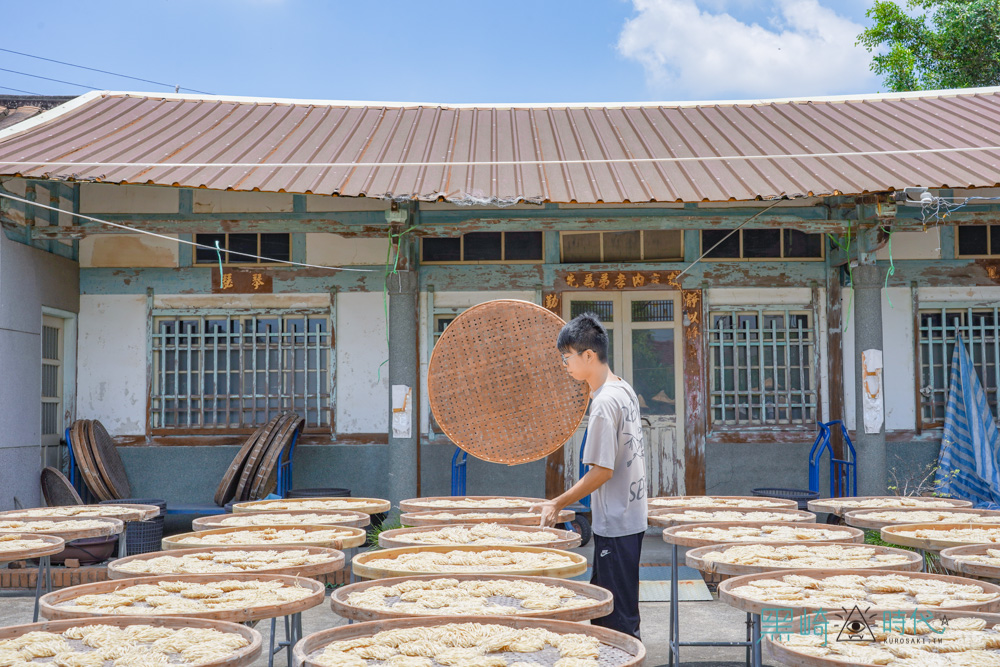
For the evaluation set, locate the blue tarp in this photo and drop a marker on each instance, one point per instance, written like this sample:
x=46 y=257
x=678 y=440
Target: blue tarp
x=968 y=466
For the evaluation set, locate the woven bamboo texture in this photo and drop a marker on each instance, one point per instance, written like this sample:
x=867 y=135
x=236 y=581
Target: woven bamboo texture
x=665 y=518
x=362 y=569
x=631 y=650
x=50 y=602
x=54 y=545
x=833 y=505
x=466 y=517
x=107 y=527
x=456 y=503
x=602 y=602
x=239 y=658
x=109 y=462
x=335 y=562
x=860 y=518
x=752 y=606
x=497 y=385
x=226 y=490
x=891 y=534
x=560 y=539
x=670 y=535
x=351 y=537
x=953 y=559
x=696 y=558
x=124 y=512
x=57 y=490
x=699 y=501
x=349 y=520
x=366 y=505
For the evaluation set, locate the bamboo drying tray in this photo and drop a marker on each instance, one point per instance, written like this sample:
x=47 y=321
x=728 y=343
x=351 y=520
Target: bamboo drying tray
x=753 y=606
x=700 y=501
x=240 y=658
x=335 y=561
x=860 y=518
x=661 y=518
x=428 y=518
x=352 y=537
x=834 y=506
x=891 y=535
x=953 y=559
x=561 y=539
x=785 y=655
x=51 y=609
x=350 y=519
x=696 y=558
x=602 y=600
x=80 y=430
x=422 y=504
x=54 y=545
x=107 y=527
x=361 y=569
x=670 y=534
x=366 y=505
x=617 y=649
x=123 y=512
x=496 y=384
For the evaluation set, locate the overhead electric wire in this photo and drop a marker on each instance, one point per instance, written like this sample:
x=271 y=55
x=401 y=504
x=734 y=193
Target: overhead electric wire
x=37 y=76
x=179 y=240
x=18 y=90
x=102 y=71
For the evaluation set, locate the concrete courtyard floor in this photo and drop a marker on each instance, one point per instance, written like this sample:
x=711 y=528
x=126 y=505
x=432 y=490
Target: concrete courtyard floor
x=700 y=621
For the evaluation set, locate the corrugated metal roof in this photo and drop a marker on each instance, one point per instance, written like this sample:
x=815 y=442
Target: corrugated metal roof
x=504 y=154
x=13 y=115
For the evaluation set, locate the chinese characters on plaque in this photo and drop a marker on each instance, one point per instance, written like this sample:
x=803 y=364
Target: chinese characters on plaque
x=242 y=281
x=621 y=279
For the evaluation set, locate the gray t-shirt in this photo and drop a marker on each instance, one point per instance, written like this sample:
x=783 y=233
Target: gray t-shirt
x=614 y=441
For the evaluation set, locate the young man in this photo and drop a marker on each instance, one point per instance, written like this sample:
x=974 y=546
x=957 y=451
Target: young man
x=616 y=480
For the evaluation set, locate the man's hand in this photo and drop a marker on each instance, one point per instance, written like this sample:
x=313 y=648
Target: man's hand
x=549 y=511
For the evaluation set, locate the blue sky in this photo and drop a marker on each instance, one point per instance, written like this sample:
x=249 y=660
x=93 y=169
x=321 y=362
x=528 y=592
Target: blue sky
x=477 y=51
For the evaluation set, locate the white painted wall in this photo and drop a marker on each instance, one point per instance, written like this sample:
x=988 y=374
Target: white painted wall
x=362 y=389
x=448 y=300
x=336 y=250
x=795 y=296
x=913 y=245
x=110 y=198
x=897 y=358
x=128 y=250
x=111 y=374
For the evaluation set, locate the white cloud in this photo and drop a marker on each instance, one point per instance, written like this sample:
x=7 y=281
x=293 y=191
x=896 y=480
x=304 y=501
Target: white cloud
x=690 y=53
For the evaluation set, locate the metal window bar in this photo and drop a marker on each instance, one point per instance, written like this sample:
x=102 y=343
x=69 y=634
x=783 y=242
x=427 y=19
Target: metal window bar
x=762 y=367
x=236 y=370
x=939 y=328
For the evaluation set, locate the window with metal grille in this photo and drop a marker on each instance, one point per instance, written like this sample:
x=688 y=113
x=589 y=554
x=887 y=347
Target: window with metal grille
x=237 y=370
x=939 y=328
x=51 y=380
x=763 y=367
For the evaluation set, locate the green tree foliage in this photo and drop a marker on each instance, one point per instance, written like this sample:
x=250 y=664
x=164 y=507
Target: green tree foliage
x=932 y=44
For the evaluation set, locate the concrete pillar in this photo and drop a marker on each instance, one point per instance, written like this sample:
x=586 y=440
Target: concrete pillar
x=404 y=369
x=872 y=467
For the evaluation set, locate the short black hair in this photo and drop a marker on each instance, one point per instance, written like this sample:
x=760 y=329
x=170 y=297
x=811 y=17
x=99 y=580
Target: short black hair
x=584 y=332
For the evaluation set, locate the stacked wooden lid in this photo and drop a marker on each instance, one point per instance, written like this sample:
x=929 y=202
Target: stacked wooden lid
x=253 y=473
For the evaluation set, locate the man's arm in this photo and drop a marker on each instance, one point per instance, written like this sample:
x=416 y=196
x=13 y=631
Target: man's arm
x=589 y=483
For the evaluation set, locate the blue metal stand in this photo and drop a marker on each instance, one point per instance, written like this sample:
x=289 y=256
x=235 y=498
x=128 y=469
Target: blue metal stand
x=843 y=472
x=458 y=469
